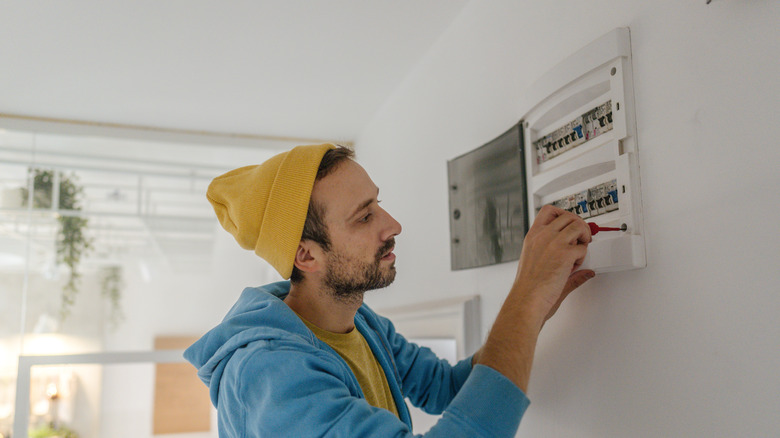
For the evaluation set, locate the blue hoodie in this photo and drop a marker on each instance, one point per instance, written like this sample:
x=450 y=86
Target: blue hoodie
x=269 y=376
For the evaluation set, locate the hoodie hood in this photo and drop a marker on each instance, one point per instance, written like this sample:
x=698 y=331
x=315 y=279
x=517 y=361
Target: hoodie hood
x=258 y=315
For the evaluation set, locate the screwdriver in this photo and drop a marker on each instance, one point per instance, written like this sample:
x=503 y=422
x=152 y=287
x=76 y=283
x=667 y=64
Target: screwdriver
x=595 y=228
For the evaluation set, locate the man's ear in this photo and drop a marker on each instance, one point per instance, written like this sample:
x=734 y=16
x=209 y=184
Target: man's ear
x=308 y=256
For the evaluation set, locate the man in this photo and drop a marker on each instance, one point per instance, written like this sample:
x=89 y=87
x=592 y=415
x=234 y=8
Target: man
x=308 y=358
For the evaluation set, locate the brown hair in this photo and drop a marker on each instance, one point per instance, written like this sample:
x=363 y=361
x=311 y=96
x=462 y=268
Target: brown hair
x=314 y=228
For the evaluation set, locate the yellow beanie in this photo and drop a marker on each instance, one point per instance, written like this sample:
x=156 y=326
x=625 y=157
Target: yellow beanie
x=264 y=206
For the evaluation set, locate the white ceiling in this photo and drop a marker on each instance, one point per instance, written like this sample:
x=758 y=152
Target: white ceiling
x=305 y=69
x=314 y=69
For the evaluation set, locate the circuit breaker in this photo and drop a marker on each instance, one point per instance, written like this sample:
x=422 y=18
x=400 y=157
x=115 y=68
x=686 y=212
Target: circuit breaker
x=580 y=149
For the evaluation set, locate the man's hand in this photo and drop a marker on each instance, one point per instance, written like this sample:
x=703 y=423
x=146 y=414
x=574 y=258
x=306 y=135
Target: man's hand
x=576 y=280
x=553 y=250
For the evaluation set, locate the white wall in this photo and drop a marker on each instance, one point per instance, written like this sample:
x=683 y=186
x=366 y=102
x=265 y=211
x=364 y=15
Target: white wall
x=685 y=347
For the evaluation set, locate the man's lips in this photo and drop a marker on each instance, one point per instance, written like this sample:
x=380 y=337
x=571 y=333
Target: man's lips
x=389 y=256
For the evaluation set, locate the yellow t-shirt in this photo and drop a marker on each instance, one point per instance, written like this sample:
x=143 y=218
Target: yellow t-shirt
x=354 y=349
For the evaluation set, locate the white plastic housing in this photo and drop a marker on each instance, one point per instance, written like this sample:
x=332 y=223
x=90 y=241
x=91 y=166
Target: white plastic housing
x=598 y=73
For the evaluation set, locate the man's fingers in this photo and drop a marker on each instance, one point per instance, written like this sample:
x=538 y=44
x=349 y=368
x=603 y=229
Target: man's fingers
x=547 y=214
x=577 y=228
x=577 y=279
x=564 y=219
x=557 y=220
x=577 y=231
x=580 y=251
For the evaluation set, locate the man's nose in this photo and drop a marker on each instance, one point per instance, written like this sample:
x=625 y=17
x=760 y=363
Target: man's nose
x=392 y=228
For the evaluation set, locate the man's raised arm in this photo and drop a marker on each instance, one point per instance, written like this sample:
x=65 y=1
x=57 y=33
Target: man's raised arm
x=553 y=250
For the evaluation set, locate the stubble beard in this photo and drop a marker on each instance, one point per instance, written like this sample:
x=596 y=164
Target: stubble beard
x=347 y=279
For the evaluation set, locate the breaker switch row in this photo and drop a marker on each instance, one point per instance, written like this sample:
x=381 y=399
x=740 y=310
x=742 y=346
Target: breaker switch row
x=592 y=202
x=583 y=128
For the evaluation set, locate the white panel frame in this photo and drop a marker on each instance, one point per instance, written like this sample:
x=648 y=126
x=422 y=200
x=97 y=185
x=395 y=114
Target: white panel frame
x=595 y=74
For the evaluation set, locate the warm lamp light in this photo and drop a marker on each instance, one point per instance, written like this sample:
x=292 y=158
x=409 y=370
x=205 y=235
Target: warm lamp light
x=51 y=391
x=44 y=344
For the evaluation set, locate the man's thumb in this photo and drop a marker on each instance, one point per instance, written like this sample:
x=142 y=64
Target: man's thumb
x=577 y=279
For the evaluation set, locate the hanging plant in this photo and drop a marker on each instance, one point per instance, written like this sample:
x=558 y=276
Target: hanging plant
x=111 y=289
x=72 y=243
x=50 y=431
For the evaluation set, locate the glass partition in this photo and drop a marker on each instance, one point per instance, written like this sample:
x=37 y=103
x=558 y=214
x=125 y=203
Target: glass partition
x=106 y=245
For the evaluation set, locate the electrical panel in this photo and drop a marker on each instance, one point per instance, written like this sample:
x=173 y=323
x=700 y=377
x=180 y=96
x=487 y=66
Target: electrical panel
x=580 y=153
x=583 y=153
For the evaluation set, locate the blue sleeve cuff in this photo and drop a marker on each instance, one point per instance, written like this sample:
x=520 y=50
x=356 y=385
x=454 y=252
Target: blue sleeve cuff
x=490 y=403
x=461 y=372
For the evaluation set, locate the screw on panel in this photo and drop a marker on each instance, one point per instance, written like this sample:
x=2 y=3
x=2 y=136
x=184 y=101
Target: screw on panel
x=614 y=70
x=617 y=106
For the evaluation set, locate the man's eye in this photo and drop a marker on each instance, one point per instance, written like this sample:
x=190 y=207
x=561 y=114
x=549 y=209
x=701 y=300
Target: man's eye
x=365 y=218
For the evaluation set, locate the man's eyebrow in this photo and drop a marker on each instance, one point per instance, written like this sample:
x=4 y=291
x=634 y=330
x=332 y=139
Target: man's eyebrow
x=363 y=205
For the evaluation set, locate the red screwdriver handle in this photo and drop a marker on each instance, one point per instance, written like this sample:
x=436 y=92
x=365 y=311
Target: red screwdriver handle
x=594 y=229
